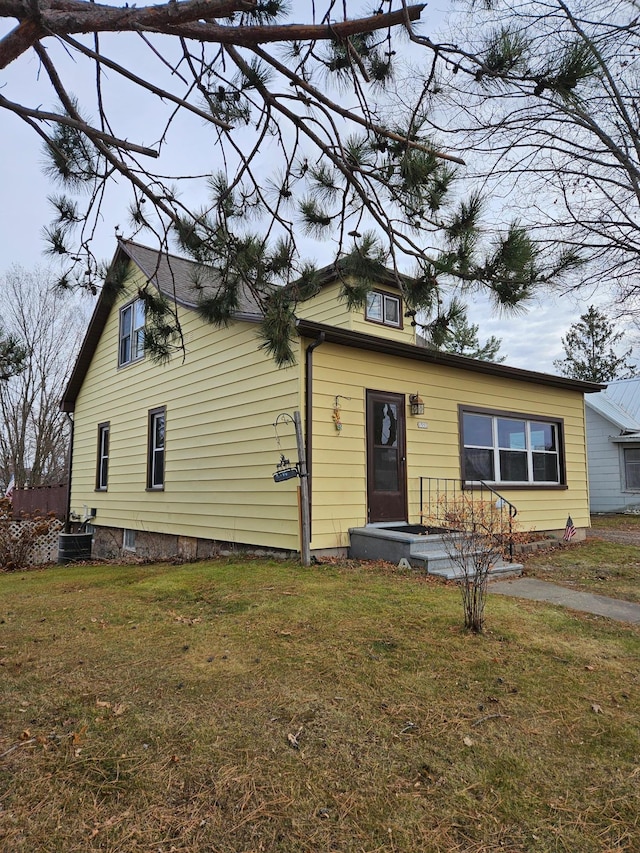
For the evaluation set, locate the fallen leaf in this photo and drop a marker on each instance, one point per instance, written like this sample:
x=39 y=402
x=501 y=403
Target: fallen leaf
x=77 y=736
x=101 y=704
x=119 y=708
x=294 y=739
x=467 y=741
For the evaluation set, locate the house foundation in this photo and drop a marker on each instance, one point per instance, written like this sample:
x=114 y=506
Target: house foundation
x=117 y=543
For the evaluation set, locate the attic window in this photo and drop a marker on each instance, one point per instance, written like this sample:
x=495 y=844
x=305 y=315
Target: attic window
x=131 y=339
x=384 y=308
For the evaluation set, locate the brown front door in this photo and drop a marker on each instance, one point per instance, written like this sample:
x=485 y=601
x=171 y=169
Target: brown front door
x=386 y=457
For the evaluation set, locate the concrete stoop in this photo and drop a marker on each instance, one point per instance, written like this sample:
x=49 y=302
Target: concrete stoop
x=424 y=551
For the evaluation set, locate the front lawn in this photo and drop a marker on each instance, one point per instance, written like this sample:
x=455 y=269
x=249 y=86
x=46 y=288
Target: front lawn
x=600 y=567
x=597 y=565
x=245 y=706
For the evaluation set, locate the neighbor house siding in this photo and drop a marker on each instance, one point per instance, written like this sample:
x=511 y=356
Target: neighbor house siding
x=221 y=402
x=339 y=458
x=606 y=467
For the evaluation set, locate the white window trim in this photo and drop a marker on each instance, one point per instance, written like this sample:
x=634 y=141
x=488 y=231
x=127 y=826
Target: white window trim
x=132 y=333
x=627 y=488
x=529 y=421
x=386 y=299
x=104 y=429
x=153 y=450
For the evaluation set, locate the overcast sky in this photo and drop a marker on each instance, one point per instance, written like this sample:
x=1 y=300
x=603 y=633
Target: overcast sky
x=531 y=340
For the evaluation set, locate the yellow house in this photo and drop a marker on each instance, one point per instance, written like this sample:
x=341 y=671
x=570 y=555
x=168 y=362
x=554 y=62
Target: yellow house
x=179 y=459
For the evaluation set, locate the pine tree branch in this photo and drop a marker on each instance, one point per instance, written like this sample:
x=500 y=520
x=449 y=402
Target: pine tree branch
x=144 y=84
x=77 y=123
x=182 y=19
x=302 y=84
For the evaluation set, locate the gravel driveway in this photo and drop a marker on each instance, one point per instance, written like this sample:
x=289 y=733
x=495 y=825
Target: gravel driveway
x=621 y=537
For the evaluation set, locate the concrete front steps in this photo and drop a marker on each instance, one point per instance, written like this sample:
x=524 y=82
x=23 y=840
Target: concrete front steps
x=421 y=550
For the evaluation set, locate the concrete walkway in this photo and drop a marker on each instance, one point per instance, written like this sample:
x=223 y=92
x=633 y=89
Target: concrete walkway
x=600 y=605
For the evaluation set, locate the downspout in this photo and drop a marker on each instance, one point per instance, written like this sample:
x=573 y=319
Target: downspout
x=67 y=518
x=308 y=413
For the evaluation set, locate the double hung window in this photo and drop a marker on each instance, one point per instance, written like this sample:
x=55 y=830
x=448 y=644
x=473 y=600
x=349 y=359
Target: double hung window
x=632 y=468
x=131 y=340
x=155 y=461
x=102 y=468
x=506 y=448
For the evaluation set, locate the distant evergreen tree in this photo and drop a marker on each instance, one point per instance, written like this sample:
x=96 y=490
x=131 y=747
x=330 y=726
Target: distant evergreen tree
x=462 y=339
x=589 y=350
x=12 y=356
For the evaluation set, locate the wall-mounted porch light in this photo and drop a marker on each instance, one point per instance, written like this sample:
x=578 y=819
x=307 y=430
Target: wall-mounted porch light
x=416 y=405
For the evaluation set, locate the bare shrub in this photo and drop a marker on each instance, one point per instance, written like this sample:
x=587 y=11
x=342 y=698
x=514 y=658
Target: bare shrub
x=476 y=535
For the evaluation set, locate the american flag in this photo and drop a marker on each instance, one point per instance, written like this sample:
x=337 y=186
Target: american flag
x=570 y=530
x=10 y=488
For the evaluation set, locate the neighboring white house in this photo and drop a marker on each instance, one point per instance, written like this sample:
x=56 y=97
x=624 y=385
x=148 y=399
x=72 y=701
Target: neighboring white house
x=613 y=446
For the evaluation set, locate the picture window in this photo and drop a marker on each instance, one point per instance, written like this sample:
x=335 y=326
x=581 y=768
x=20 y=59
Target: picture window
x=508 y=448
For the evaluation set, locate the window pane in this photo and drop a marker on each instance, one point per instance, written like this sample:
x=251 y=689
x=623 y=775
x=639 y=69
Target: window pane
x=138 y=320
x=478 y=464
x=511 y=434
x=125 y=349
x=385 y=424
x=385 y=470
x=392 y=310
x=374 y=306
x=158 y=440
x=138 y=343
x=477 y=430
x=545 y=468
x=632 y=467
x=513 y=466
x=543 y=437
x=158 y=468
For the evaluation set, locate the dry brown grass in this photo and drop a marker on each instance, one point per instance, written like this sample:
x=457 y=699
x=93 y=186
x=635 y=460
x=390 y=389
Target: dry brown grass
x=258 y=706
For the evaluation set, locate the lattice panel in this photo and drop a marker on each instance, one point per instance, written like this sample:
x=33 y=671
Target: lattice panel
x=45 y=547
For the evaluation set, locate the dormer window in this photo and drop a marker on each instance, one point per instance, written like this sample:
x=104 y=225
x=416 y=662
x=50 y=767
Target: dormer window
x=384 y=308
x=131 y=341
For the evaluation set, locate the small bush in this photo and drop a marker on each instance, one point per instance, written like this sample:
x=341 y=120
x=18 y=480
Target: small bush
x=477 y=534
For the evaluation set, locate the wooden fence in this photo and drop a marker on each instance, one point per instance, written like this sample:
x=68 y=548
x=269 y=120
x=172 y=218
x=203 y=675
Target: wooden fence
x=41 y=501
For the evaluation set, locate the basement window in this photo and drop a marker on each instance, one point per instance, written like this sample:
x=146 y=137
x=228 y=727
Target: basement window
x=129 y=540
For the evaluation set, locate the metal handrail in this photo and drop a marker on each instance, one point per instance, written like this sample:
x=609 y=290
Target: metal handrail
x=512 y=508
x=439 y=487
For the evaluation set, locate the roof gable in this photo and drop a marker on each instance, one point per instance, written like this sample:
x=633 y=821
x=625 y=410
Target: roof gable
x=182 y=280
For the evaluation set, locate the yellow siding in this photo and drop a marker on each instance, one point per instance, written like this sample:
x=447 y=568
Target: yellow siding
x=327 y=307
x=221 y=450
x=339 y=458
